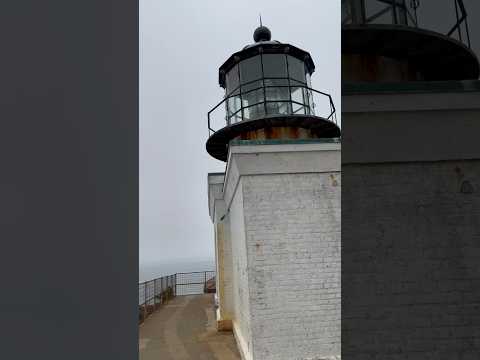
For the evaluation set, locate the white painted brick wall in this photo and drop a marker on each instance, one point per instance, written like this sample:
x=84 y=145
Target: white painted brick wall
x=223 y=247
x=240 y=284
x=411 y=255
x=292 y=226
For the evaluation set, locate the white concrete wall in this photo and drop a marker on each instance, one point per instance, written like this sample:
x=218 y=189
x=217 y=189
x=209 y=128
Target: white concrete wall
x=283 y=207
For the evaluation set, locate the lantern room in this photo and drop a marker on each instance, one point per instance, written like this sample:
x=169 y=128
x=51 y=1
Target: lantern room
x=268 y=95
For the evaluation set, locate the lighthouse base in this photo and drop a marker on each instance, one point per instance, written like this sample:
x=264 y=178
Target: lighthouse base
x=277 y=221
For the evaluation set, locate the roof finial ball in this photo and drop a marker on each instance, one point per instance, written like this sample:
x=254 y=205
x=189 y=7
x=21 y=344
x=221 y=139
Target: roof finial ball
x=262 y=33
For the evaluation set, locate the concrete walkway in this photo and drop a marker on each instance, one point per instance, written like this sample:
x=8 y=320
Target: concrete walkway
x=185 y=329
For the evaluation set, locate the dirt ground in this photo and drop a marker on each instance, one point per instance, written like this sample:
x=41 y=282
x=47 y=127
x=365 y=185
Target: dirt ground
x=185 y=329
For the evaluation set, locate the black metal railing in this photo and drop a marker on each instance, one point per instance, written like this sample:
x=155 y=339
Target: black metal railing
x=309 y=105
x=410 y=13
x=154 y=293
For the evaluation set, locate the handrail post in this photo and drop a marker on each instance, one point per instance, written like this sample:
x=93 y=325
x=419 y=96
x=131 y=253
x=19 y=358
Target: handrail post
x=161 y=289
x=145 y=299
x=155 y=293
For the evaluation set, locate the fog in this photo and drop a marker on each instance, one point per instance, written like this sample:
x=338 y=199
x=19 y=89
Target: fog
x=182 y=45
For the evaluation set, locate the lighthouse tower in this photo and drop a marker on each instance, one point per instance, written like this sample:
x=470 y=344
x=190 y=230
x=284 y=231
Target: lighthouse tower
x=276 y=209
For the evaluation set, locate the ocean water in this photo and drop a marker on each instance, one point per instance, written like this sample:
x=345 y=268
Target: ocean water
x=150 y=271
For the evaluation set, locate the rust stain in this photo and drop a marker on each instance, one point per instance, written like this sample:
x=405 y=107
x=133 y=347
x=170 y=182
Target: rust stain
x=278 y=132
x=366 y=67
x=334 y=180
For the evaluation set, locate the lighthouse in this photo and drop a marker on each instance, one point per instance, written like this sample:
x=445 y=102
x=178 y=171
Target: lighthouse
x=276 y=208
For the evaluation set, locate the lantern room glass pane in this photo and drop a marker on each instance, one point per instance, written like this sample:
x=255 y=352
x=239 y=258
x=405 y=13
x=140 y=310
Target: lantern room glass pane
x=254 y=112
x=232 y=79
x=296 y=69
x=257 y=84
x=298 y=109
x=250 y=69
x=278 y=108
x=236 y=118
x=297 y=95
x=234 y=105
x=309 y=80
x=301 y=101
x=275 y=65
x=252 y=97
x=275 y=91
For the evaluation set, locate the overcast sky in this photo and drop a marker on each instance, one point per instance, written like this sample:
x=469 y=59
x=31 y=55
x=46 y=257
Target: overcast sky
x=182 y=45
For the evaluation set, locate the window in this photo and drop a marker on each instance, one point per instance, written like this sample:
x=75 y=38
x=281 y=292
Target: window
x=233 y=105
x=232 y=80
x=296 y=69
x=250 y=70
x=268 y=84
x=254 y=112
x=276 y=92
x=252 y=97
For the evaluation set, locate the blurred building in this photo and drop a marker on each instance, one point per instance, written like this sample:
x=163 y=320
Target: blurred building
x=411 y=182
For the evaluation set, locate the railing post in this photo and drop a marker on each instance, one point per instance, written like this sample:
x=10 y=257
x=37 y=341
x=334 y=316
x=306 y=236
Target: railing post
x=161 y=290
x=169 y=290
x=145 y=300
x=169 y=281
x=155 y=293
x=166 y=288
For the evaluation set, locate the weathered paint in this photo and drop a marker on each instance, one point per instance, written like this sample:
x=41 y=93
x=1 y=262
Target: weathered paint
x=377 y=68
x=278 y=132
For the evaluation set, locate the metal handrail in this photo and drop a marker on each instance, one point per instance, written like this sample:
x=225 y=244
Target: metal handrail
x=160 y=290
x=332 y=114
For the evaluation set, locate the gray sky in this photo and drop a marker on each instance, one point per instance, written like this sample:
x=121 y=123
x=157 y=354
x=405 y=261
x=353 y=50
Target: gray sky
x=182 y=44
